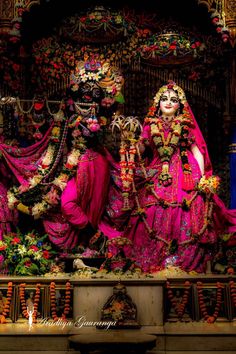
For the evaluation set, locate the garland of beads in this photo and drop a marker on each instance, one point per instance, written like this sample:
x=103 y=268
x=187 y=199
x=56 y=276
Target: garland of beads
x=23 y=301
x=202 y=305
x=7 y=305
x=233 y=292
x=179 y=307
x=53 y=301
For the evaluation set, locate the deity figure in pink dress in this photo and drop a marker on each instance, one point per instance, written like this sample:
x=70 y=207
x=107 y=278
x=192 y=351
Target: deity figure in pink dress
x=175 y=216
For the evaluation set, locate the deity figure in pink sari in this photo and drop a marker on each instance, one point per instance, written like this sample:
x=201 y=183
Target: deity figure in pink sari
x=176 y=218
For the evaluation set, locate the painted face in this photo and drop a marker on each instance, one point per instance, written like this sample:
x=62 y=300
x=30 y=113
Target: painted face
x=90 y=92
x=169 y=103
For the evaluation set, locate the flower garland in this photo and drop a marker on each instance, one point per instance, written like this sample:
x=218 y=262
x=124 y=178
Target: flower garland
x=127 y=165
x=7 y=305
x=209 y=185
x=53 y=301
x=165 y=45
x=23 y=301
x=233 y=292
x=202 y=305
x=166 y=146
x=179 y=307
x=19 y=196
x=185 y=205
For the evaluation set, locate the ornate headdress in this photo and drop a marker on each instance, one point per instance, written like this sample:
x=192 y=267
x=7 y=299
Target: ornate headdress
x=170 y=86
x=99 y=74
x=107 y=77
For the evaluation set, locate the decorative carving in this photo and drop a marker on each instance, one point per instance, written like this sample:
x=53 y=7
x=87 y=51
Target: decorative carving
x=230 y=10
x=223 y=13
x=6 y=15
x=11 y=12
x=6 y=9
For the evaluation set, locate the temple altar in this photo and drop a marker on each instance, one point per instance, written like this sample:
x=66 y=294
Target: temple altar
x=118 y=218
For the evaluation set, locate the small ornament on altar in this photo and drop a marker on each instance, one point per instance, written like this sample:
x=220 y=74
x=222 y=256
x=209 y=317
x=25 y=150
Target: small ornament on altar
x=118 y=261
x=30 y=312
x=120 y=309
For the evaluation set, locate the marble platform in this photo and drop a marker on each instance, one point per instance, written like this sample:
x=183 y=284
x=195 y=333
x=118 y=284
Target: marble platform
x=88 y=300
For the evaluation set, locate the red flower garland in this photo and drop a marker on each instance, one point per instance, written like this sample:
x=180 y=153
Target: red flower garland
x=233 y=292
x=203 y=309
x=23 y=301
x=179 y=307
x=53 y=301
x=7 y=305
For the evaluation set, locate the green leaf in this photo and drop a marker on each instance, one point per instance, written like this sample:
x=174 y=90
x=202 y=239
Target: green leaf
x=119 y=98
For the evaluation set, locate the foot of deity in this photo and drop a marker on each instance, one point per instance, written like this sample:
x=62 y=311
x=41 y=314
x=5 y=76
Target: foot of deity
x=79 y=264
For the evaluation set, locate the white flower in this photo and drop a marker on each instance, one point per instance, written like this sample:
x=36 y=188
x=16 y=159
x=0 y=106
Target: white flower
x=21 y=250
x=35 y=180
x=73 y=157
x=38 y=209
x=84 y=78
x=96 y=77
x=11 y=200
x=48 y=158
x=37 y=255
x=61 y=181
x=30 y=239
x=90 y=76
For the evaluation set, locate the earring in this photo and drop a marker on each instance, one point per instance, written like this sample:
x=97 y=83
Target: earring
x=158 y=112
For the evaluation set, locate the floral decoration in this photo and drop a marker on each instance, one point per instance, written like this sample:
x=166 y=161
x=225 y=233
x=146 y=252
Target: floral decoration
x=179 y=307
x=169 y=44
x=128 y=127
x=209 y=185
x=202 y=305
x=26 y=254
x=53 y=301
x=219 y=21
x=101 y=23
x=32 y=198
x=107 y=77
x=233 y=292
x=7 y=305
x=23 y=301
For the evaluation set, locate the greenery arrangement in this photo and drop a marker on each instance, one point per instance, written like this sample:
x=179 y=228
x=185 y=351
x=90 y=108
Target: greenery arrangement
x=25 y=254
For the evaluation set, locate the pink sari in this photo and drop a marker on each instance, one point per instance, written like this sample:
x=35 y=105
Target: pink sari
x=177 y=238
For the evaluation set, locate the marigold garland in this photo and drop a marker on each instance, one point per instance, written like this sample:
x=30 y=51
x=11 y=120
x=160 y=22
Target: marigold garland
x=179 y=307
x=53 y=301
x=7 y=305
x=202 y=305
x=233 y=292
x=23 y=301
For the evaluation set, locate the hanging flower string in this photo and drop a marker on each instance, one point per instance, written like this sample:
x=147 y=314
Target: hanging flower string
x=53 y=301
x=210 y=318
x=23 y=301
x=19 y=196
x=7 y=305
x=185 y=205
x=179 y=307
x=128 y=126
x=233 y=292
x=127 y=165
